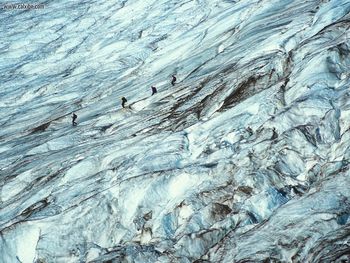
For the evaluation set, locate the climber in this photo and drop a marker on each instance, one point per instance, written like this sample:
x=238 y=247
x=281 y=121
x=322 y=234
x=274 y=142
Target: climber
x=274 y=134
x=74 y=117
x=124 y=100
x=249 y=130
x=154 y=90
x=173 y=80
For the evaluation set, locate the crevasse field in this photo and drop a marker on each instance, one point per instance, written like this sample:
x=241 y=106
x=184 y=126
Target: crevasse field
x=245 y=159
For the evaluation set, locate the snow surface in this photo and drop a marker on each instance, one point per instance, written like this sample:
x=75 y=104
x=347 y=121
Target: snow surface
x=245 y=159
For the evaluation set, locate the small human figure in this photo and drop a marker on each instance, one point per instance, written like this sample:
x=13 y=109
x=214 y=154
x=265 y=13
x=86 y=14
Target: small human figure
x=249 y=130
x=74 y=117
x=154 y=90
x=274 y=134
x=173 y=80
x=250 y=154
x=124 y=100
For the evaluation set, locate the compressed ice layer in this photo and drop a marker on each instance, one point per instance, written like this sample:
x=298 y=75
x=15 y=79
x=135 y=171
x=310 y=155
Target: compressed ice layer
x=244 y=159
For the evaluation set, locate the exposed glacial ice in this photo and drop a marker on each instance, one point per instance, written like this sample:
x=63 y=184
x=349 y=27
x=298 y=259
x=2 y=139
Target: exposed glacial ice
x=245 y=159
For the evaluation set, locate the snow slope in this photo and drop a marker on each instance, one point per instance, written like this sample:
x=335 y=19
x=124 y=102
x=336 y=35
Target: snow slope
x=245 y=159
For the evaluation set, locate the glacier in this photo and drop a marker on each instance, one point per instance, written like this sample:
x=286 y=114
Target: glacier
x=245 y=159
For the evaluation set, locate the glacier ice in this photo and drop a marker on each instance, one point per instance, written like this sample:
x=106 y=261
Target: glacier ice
x=245 y=159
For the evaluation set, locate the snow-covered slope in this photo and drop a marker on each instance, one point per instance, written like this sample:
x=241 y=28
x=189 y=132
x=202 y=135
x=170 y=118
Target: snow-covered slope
x=245 y=159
